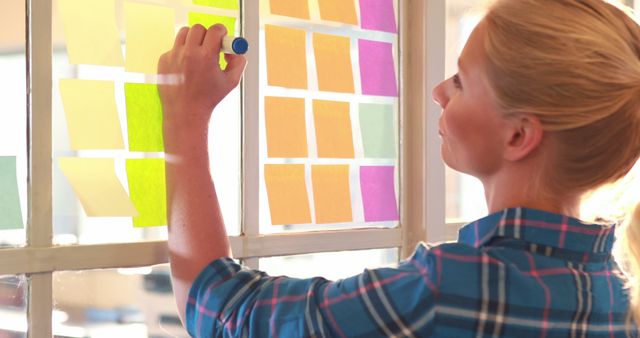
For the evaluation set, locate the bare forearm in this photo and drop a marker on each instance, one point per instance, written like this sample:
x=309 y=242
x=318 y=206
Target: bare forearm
x=197 y=233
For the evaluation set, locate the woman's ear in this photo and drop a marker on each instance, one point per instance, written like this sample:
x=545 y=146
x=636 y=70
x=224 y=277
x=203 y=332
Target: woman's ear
x=524 y=136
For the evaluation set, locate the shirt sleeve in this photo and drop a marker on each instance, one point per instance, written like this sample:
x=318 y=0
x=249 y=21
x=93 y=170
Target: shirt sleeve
x=229 y=300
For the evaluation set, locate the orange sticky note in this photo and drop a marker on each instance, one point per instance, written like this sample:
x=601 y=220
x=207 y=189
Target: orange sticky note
x=287 y=193
x=339 y=11
x=331 y=194
x=293 y=8
x=333 y=129
x=286 y=127
x=333 y=63
x=286 y=57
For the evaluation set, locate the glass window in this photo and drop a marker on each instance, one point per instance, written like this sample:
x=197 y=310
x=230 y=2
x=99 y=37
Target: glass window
x=328 y=116
x=326 y=264
x=13 y=123
x=116 y=302
x=13 y=306
x=118 y=87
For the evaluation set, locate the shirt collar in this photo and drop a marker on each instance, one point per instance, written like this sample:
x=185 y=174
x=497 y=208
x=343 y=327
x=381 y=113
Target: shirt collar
x=540 y=228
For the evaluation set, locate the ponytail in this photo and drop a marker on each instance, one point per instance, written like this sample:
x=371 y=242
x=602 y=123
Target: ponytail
x=632 y=253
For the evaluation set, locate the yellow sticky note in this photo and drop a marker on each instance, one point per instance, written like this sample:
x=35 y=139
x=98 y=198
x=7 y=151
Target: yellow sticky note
x=339 y=11
x=331 y=193
x=148 y=191
x=208 y=20
x=333 y=63
x=287 y=193
x=293 y=8
x=286 y=127
x=149 y=34
x=223 y=4
x=91 y=32
x=92 y=116
x=286 y=57
x=97 y=187
x=333 y=129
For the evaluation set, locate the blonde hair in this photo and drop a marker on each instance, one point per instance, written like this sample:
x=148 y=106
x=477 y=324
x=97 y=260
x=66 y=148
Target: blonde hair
x=575 y=64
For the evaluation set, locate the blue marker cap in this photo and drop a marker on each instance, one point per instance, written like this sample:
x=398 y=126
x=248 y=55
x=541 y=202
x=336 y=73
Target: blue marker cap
x=240 y=45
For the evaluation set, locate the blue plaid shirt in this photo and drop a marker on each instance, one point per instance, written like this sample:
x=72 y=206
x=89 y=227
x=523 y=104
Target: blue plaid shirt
x=516 y=273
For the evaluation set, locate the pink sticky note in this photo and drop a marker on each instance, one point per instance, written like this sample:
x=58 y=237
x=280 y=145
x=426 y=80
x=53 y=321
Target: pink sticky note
x=377 y=71
x=378 y=15
x=378 y=193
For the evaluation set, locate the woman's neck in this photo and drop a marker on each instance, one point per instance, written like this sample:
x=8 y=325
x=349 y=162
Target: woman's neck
x=509 y=191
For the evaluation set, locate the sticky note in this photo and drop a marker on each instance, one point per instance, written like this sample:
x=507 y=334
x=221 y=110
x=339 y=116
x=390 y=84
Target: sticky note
x=97 y=187
x=208 y=20
x=378 y=15
x=286 y=57
x=331 y=194
x=343 y=11
x=377 y=68
x=287 y=193
x=223 y=4
x=149 y=34
x=90 y=31
x=333 y=129
x=378 y=193
x=292 y=8
x=286 y=127
x=333 y=63
x=377 y=130
x=144 y=117
x=9 y=197
x=91 y=114
x=148 y=191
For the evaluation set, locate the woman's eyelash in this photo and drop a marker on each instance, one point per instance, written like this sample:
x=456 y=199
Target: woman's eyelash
x=456 y=81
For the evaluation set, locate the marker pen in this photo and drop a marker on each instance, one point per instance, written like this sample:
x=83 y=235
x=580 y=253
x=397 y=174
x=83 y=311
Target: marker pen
x=234 y=45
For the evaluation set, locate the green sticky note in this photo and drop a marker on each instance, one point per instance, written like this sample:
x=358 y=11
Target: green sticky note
x=144 y=117
x=9 y=198
x=377 y=129
x=224 y=4
x=208 y=20
x=148 y=191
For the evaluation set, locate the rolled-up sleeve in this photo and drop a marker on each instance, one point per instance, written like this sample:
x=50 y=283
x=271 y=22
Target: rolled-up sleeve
x=229 y=300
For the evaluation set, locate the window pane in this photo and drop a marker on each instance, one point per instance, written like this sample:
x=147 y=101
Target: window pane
x=13 y=123
x=13 y=307
x=464 y=194
x=328 y=116
x=129 y=303
x=117 y=89
x=330 y=265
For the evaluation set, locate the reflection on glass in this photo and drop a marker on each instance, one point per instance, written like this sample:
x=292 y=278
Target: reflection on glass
x=71 y=224
x=464 y=194
x=330 y=265
x=13 y=307
x=310 y=59
x=129 y=303
x=13 y=117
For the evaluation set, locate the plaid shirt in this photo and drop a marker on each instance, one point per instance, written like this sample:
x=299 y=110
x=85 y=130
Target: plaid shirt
x=516 y=273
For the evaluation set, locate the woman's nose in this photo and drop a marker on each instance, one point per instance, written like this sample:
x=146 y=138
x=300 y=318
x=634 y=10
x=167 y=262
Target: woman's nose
x=439 y=95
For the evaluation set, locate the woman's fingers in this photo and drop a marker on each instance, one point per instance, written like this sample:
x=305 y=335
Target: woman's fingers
x=235 y=68
x=181 y=37
x=195 y=35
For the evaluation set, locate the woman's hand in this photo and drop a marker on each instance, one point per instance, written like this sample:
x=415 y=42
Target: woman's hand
x=192 y=83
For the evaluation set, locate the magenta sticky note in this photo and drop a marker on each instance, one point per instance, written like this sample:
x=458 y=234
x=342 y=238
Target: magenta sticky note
x=377 y=68
x=378 y=193
x=378 y=15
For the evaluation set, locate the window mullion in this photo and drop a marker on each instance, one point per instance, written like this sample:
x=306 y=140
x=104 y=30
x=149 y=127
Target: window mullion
x=250 y=125
x=39 y=220
x=434 y=189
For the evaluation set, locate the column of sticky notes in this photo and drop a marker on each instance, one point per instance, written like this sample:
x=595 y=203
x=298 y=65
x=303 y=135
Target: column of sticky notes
x=92 y=117
x=371 y=87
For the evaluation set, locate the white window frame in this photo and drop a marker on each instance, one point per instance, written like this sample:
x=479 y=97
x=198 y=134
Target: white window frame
x=421 y=33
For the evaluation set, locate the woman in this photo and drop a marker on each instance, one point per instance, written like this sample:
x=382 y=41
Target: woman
x=545 y=107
